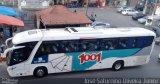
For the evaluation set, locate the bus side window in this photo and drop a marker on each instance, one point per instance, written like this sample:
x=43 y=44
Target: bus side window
x=41 y=50
x=84 y=46
x=69 y=46
x=109 y=45
x=133 y=42
x=144 y=41
x=61 y=47
x=55 y=49
x=104 y=45
x=88 y=45
x=123 y=43
x=67 y=49
x=48 y=49
x=73 y=46
x=147 y=41
x=93 y=45
x=139 y=42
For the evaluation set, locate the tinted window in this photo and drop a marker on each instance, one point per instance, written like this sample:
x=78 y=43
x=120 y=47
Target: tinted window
x=100 y=24
x=18 y=56
x=109 y=44
x=67 y=46
x=88 y=45
x=140 y=42
x=51 y=47
x=123 y=43
x=43 y=49
x=147 y=41
x=22 y=54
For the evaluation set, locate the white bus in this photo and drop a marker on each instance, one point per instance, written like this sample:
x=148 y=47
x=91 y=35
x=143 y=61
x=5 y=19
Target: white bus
x=41 y=52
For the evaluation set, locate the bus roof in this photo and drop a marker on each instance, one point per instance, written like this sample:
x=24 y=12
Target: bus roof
x=78 y=33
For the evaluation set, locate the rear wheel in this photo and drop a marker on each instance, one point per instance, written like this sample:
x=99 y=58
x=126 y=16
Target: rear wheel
x=40 y=72
x=118 y=65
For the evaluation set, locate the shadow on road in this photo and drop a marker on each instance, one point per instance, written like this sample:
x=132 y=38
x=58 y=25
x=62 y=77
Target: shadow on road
x=62 y=75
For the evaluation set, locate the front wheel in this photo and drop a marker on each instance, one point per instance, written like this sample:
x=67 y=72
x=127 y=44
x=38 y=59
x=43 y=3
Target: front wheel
x=118 y=65
x=40 y=72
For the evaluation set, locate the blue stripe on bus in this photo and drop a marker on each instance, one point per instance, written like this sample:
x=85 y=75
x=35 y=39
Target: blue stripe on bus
x=41 y=59
x=77 y=66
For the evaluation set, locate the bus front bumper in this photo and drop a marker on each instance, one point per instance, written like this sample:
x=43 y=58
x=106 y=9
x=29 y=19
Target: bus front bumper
x=9 y=70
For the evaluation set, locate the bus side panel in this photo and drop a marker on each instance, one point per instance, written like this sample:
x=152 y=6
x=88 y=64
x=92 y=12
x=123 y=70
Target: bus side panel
x=60 y=62
x=99 y=59
x=143 y=56
x=138 y=57
x=80 y=61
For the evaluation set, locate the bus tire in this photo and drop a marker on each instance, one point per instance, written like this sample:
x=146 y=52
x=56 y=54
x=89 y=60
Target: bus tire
x=118 y=65
x=40 y=72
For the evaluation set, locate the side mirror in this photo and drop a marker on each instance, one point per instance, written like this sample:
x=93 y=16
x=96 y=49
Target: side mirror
x=7 y=41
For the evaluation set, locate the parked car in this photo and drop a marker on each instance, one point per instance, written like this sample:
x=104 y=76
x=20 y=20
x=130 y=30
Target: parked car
x=152 y=20
x=120 y=9
x=139 y=7
x=92 y=18
x=156 y=29
x=129 y=11
x=142 y=20
x=157 y=41
x=102 y=25
x=138 y=15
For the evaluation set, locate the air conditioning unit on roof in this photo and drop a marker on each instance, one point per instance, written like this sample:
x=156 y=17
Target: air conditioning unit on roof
x=83 y=30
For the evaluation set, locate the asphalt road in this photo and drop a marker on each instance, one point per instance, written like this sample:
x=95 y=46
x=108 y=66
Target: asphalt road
x=150 y=70
x=110 y=15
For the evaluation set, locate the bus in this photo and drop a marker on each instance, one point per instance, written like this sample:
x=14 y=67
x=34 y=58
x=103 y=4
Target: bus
x=40 y=52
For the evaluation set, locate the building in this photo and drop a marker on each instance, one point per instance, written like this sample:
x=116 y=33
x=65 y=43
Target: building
x=151 y=6
x=8 y=2
x=133 y=3
x=58 y=16
x=33 y=4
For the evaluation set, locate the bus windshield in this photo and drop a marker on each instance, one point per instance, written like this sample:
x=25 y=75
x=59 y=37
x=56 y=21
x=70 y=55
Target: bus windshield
x=20 y=55
x=17 y=56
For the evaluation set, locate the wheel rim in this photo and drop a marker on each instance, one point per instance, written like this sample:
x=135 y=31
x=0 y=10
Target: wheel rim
x=40 y=73
x=118 y=66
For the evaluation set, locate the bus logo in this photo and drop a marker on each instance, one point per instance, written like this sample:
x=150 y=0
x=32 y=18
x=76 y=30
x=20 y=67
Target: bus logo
x=90 y=57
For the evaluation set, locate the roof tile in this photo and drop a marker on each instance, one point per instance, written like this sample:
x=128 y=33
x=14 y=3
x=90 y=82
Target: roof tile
x=58 y=14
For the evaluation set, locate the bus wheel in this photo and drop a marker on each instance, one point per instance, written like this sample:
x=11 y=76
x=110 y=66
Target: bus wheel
x=118 y=65
x=40 y=72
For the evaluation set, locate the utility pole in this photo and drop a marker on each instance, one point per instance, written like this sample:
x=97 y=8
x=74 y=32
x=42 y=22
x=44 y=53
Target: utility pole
x=13 y=3
x=155 y=6
x=145 y=7
x=87 y=7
